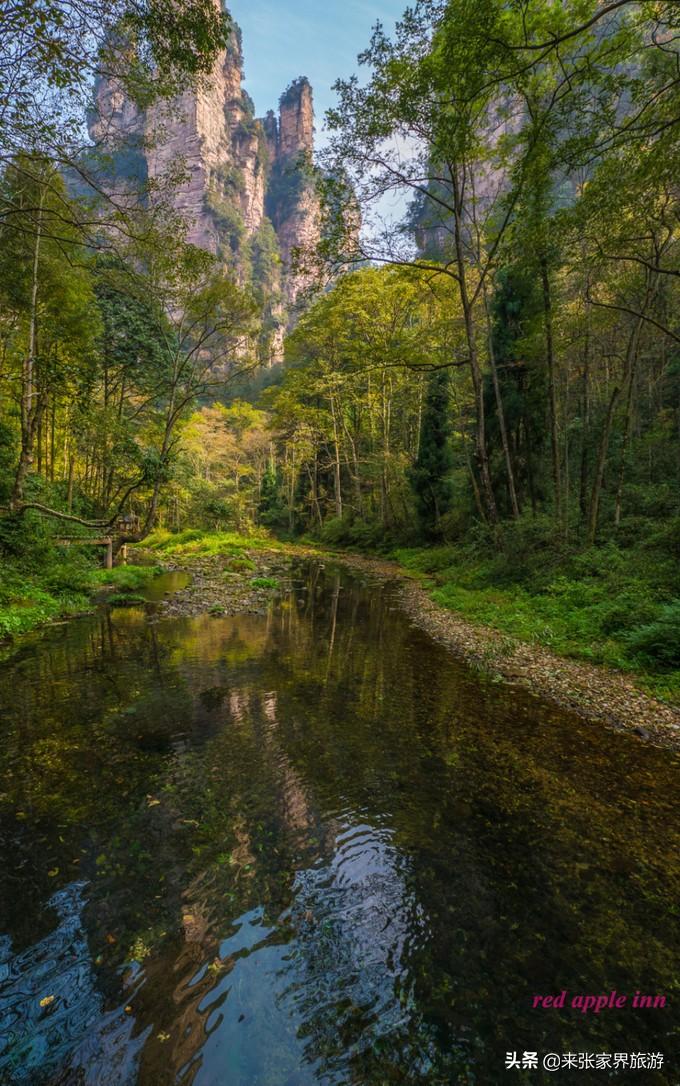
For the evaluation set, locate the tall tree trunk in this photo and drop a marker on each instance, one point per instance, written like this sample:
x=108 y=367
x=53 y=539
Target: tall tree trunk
x=337 y=477
x=512 y=490
x=624 y=447
x=530 y=464
x=354 y=471
x=53 y=427
x=596 y=494
x=552 y=391
x=314 y=489
x=69 y=490
x=481 y=453
x=31 y=403
x=585 y=429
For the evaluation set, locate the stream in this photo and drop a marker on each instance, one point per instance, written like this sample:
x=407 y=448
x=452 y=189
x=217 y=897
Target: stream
x=312 y=847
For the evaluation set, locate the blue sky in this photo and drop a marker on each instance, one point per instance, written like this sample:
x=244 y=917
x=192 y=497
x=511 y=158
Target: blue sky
x=283 y=39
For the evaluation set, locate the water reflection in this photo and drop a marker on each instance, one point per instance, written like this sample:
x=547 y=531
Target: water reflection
x=310 y=848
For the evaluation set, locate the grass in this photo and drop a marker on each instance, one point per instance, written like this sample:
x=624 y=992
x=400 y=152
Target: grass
x=265 y=582
x=607 y=605
x=126 y=599
x=127 y=578
x=197 y=543
x=25 y=604
x=61 y=584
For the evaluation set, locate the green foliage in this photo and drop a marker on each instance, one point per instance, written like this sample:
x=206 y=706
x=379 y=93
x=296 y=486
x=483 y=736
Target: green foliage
x=265 y=582
x=266 y=260
x=291 y=95
x=199 y=542
x=151 y=50
x=658 y=642
x=39 y=582
x=42 y=581
x=430 y=475
x=230 y=223
x=126 y=599
x=287 y=182
x=128 y=577
x=272 y=510
x=604 y=604
x=241 y=564
x=358 y=534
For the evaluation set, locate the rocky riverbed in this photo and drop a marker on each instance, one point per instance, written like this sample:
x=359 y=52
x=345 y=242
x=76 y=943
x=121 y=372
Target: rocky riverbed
x=227 y=585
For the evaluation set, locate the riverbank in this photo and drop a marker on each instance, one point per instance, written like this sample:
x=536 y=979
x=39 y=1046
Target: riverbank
x=232 y=574
x=41 y=592
x=595 y=693
x=235 y=574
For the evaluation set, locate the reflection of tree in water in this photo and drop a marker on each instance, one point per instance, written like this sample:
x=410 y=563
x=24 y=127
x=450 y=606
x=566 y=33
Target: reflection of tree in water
x=334 y=856
x=72 y=1023
x=533 y=840
x=348 y=976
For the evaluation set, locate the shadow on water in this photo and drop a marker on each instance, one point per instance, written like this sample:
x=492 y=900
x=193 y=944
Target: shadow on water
x=313 y=848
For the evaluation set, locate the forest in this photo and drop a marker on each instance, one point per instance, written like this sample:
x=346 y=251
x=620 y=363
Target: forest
x=339 y=543
x=483 y=384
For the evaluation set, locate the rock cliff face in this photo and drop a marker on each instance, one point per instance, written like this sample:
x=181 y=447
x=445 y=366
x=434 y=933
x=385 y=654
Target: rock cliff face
x=291 y=203
x=244 y=190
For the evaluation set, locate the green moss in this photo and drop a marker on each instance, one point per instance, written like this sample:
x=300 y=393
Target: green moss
x=126 y=599
x=128 y=577
x=241 y=565
x=265 y=582
x=197 y=542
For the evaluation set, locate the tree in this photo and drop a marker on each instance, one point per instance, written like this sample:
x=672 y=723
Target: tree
x=479 y=112
x=48 y=298
x=430 y=475
x=52 y=52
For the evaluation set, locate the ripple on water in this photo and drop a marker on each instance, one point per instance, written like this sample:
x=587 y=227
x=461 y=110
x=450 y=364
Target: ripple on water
x=313 y=850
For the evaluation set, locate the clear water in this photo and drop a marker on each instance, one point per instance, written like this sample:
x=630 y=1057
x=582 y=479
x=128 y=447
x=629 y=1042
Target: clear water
x=312 y=848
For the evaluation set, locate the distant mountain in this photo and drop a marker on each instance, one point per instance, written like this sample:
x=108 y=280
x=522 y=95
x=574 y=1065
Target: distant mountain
x=246 y=193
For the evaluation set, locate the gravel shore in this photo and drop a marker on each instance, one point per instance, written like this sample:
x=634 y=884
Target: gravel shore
x=221 y=586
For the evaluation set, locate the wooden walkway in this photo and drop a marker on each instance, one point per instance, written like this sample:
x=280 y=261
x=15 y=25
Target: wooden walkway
x=96 y=541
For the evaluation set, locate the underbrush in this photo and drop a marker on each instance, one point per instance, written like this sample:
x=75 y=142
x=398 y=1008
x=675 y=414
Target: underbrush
x=30 y=597
x=127 y=578
x=199 y=543
x=606 y=604
x=41 y=582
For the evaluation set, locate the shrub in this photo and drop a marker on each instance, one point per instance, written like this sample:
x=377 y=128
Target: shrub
x=240 y=564
x=658 y=642
x=264 y=582
x=126 y=599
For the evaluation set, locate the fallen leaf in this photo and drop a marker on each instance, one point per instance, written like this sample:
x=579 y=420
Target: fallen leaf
x=46 y=1000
